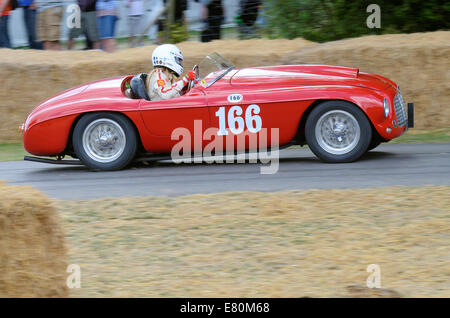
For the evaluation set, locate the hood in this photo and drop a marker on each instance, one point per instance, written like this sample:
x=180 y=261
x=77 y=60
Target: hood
x=306 y=75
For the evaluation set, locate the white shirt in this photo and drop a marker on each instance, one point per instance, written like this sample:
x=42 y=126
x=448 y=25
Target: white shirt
x=136 y=7
x=159 y=86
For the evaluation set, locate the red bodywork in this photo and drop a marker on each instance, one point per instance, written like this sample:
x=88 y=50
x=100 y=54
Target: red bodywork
x=284 y=94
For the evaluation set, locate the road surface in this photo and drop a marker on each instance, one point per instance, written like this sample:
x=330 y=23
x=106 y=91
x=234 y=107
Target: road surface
x=387 y=165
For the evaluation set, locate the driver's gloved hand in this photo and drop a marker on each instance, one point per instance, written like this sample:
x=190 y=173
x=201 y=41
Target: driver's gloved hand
x=190 y=76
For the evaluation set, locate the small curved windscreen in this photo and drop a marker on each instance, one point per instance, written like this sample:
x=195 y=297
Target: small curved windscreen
x=212 y=68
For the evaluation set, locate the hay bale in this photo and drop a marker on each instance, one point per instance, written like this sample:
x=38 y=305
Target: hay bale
x=417 y=62
x=32 y=250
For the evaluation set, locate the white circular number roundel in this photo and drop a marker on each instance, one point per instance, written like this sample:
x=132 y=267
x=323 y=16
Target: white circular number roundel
x=236 y=123
x=235 y=98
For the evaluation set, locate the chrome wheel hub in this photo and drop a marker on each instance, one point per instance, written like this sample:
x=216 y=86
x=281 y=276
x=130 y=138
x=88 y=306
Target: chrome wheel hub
x=337 y=132
x=104 y=140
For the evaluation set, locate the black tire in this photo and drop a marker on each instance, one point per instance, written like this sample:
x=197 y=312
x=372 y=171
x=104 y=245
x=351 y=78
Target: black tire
x=323 y=149
x=375 y=142
x=86 y=150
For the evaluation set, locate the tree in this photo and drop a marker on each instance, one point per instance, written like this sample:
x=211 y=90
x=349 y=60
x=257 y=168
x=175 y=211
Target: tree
x=326 y=20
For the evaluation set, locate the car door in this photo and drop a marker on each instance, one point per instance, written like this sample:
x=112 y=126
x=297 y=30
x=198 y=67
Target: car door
x=162 y=118
x=244 y=119
x=263 y=115
x=235 y=118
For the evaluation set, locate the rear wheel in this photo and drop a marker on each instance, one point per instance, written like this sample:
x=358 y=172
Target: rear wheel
x=338 y=131
x=104 y=141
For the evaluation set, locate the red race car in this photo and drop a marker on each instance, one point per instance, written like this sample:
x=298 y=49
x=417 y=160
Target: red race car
x=339 y=112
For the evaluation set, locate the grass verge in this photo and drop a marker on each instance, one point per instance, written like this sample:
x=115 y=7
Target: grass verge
x=12 y=152
x=423 y=136
x=285 y=244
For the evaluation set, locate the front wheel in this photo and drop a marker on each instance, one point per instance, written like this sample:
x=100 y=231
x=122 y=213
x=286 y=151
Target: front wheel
x=338 y=131
x=376 y=141
x=104 y=141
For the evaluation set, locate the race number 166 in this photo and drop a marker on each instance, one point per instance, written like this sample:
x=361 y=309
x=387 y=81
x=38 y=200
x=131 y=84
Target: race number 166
x=236 y=123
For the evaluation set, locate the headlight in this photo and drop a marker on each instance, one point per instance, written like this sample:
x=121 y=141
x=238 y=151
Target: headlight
x=386 y=108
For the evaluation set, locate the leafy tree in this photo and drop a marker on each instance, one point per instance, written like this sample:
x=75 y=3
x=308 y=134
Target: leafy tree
x=325 y=20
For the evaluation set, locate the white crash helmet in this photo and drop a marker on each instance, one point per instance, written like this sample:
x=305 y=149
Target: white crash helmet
x=168 y=55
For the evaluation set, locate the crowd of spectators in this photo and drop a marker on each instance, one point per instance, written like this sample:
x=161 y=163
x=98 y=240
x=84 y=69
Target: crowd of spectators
x=97 y=21
x=43 y=20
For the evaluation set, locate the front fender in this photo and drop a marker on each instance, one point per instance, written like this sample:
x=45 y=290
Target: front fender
x=370 y=101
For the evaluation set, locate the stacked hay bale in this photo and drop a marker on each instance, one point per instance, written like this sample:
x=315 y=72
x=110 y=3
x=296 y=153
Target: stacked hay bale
x=417 y=62
x=32 y=250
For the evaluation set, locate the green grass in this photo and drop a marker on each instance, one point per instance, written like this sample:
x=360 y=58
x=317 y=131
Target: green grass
x=423 y=136
x=15 y=151
x=12 y=152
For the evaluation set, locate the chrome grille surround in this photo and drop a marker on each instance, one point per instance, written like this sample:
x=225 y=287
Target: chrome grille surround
x=400 y=110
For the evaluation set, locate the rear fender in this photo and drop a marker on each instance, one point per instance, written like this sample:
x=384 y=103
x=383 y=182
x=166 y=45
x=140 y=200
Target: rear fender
x=52 y=137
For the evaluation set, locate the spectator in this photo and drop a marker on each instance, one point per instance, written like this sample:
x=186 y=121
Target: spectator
x=213 y=15
x=5 y=8
x=248 y=15
x=49 y=18
x=180 y=7
x=156 y=9
x=106 y=20
x=29 y=15
x=88 y=26
x=135 y=13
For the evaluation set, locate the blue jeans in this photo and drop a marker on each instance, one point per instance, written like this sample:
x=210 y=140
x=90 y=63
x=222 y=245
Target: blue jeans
x=4 y=36
x=107 y=26
x=30 y=23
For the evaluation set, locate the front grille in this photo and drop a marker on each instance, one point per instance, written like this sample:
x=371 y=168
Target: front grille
x=400 y=110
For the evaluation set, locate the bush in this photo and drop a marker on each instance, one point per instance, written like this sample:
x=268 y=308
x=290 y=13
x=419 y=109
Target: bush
x=177 y=33
x=327 y=20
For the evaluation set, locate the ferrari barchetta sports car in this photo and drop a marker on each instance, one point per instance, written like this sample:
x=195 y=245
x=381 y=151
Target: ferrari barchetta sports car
x=339 y=112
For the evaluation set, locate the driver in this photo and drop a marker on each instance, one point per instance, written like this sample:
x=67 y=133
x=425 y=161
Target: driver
x=168 y=65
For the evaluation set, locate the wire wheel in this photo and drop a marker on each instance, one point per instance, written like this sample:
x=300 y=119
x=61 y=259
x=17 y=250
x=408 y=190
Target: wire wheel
x=337 y=132
x=104 y=140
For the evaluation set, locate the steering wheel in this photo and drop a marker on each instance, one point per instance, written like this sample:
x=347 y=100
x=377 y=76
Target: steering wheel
x=197 y=76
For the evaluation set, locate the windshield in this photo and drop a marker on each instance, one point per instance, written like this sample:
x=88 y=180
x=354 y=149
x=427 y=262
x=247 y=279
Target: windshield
x=212 y=68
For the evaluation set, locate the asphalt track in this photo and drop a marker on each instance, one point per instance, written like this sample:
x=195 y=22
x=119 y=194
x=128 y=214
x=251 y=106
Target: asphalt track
x=387 y=165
